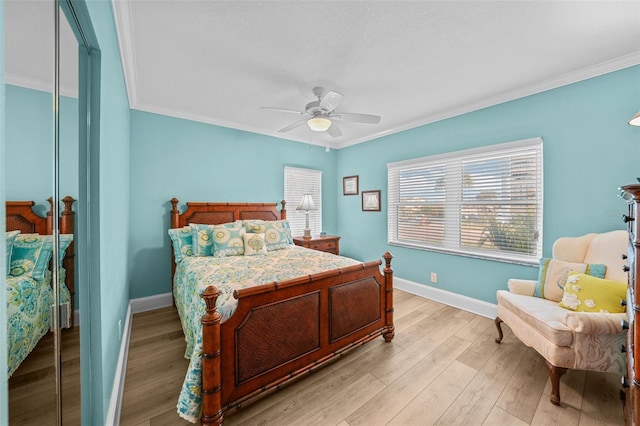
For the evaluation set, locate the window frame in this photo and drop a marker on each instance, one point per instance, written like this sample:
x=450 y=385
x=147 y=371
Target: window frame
x=450 y=208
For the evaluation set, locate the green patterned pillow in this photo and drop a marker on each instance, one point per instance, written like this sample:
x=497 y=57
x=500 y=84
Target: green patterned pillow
x=30 y=255
x=227 y=239
x=65 y=241
x=182 y=242
x=202 y=239
x=10 y=238
x=254 y=244
x=277 y=233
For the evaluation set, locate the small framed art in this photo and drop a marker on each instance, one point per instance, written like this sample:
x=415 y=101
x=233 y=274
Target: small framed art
x=371 y=201
x=350 y=185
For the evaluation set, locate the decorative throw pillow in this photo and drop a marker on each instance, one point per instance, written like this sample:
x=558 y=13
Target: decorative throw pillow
x=65 y=242
x=182 y=241
x=277 y=233
x=554 y=272
x=10 y=237
x=202 y=239
x=254 y=244
x=227 y=239
x=584 y=293
x=30 y=255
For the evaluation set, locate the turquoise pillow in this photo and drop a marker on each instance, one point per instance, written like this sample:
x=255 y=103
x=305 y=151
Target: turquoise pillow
x=10 y=238
x=228 y=239
x=277 y=232
x=30 y=255
x=202 y=239
x=182 y=240
x=65 y=241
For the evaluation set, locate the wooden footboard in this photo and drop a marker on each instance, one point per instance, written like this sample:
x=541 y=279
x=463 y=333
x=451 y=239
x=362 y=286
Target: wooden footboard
x=285 y=329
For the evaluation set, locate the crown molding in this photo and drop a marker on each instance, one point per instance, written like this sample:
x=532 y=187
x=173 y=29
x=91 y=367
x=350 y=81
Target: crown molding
x=40 y=85
x=124 y=33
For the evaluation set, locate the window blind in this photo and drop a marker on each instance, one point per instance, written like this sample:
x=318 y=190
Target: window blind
x=484 y=202
x=297 y=182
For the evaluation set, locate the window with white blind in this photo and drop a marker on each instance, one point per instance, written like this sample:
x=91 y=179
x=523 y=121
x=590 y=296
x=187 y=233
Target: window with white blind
x=484 y=202
x=298 y=182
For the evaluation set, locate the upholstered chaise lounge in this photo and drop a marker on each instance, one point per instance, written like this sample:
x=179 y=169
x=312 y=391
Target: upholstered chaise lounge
x=568 y=339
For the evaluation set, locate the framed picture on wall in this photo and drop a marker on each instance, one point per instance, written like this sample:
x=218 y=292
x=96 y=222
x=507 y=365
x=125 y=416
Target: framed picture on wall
x=371 y=201
x=350 y=185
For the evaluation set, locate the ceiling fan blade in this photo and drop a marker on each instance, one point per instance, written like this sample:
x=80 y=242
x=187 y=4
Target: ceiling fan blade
x=334 y=130
x=357 y=118
x=293 y=125
x=330 y=101
x=282 y=109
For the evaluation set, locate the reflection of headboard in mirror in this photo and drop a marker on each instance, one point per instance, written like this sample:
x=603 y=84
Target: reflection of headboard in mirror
x=21 y=217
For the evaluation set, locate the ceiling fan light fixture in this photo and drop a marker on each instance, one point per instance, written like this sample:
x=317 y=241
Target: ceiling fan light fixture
x=635 y=121
x=319 y=124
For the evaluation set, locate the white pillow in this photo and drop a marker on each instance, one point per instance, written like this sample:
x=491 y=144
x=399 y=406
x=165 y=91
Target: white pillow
x=254 y=244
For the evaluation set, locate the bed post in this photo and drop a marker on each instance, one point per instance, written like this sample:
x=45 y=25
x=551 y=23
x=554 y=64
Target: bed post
x=67 y=226
x=211 y=363
x=283 y=211
x=50 y=216
x=388 y=281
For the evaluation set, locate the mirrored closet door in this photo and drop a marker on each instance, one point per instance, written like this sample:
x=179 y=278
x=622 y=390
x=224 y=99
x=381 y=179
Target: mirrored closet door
x=41 y=166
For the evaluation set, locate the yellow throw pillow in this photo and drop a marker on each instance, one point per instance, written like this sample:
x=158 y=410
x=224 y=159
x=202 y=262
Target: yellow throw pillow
x=584 y=293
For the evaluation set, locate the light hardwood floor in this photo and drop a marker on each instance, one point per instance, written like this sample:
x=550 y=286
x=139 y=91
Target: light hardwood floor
x=32 y=397
x=442 y=368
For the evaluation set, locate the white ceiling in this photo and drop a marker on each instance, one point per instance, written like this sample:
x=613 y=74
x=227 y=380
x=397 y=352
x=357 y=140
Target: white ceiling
x=411 y=62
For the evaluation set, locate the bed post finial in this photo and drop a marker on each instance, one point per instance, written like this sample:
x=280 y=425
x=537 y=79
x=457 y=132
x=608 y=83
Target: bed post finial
x=50 y=216
x=388 y=280
x=211 y=363
x=283 y=211
x=175 y=213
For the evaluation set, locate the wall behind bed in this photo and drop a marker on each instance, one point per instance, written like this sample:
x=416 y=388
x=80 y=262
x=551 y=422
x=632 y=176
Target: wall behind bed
x=589 y=151
x=200 y=162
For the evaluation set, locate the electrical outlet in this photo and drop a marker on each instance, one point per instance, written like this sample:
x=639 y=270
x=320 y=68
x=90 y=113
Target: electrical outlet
x=434 y=277
x=120 y=330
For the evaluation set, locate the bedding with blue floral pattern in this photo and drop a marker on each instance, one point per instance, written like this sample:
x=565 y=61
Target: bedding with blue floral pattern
x=29 y=314
x=194 y=274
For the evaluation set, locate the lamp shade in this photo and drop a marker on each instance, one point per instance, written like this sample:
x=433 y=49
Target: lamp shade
x=319 y=123
x=306 y=203
x=635 y=121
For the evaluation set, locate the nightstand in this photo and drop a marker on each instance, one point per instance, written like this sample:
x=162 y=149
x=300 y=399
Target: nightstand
x=327 y=243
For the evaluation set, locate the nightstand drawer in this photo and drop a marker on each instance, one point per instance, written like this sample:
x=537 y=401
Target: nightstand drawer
x=327 y=243
x=323 y=245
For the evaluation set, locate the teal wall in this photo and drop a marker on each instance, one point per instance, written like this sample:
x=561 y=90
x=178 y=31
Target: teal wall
x=26 y=136
x=199 y=162
x=114 y=178
x=589 y=151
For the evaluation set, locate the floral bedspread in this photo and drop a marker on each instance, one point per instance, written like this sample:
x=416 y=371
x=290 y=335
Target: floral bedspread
x=28 y=315
x=194 y=274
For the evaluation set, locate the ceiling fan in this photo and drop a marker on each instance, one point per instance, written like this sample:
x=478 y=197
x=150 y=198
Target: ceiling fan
x=320 y=114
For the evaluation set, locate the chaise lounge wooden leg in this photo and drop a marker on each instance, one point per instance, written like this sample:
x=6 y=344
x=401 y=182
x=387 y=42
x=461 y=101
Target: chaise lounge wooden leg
x=498 y=321
x=554 y=374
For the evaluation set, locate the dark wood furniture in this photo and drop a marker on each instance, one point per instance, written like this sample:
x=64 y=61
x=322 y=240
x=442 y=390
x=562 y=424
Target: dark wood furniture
x=326 y=243
x=283 y=330
x=630 y=393
x=21 y=217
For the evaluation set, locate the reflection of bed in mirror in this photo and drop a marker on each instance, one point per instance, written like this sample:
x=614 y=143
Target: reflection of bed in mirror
x=29 y=291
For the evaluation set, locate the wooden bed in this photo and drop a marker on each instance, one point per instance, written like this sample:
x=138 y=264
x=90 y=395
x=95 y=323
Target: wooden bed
x=317 y=313
x=21 y=217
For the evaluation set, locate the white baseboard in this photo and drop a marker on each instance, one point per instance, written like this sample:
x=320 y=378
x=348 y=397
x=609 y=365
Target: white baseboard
x=143 y=304
x=115 y=404
x=479 y=307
